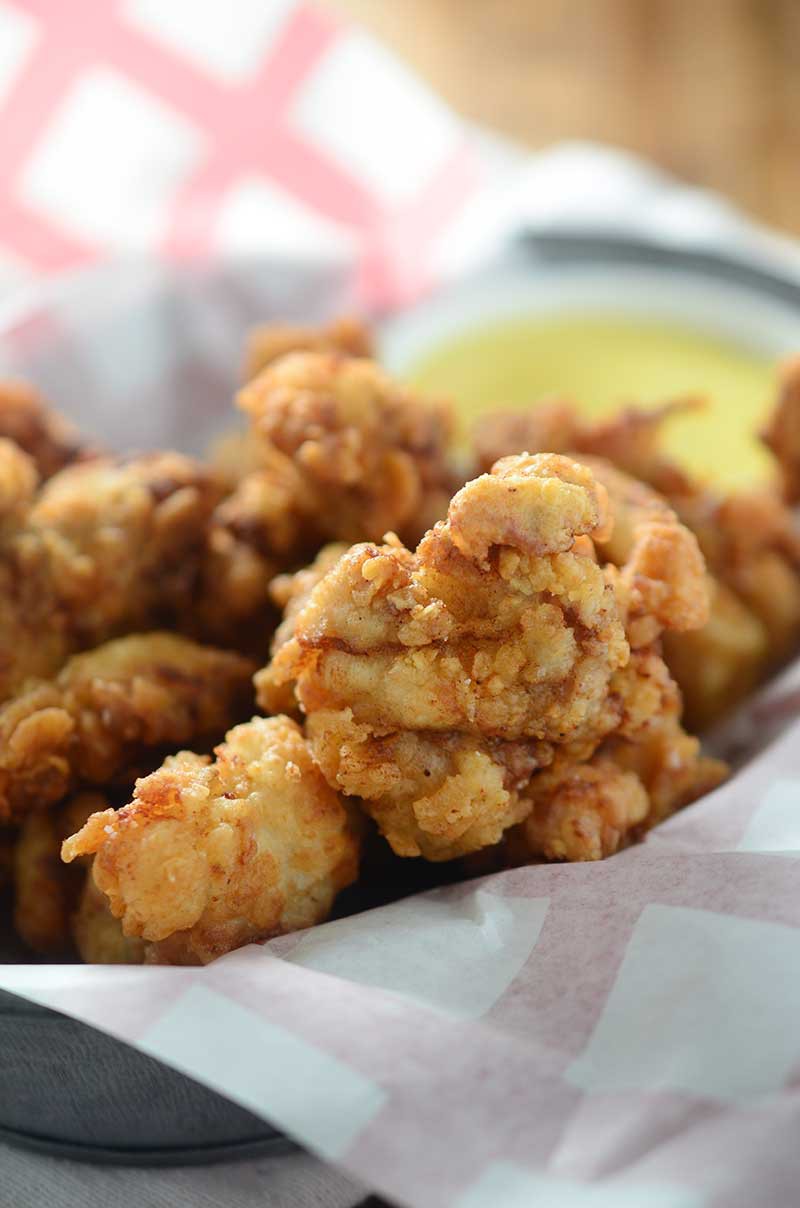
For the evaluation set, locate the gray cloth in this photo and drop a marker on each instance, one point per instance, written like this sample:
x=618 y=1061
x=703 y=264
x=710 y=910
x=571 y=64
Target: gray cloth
x=294 y=1180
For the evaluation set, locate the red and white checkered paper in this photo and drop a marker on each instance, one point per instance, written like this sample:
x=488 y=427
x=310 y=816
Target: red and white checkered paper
x=580 y=1036
x=207 y=128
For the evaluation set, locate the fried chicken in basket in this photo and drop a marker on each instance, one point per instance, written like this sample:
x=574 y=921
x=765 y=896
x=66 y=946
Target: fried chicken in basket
x=464 y=671
x=211 y=855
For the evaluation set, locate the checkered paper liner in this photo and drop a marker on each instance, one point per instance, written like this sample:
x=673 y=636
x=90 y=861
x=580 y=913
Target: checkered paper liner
x=580 y=1036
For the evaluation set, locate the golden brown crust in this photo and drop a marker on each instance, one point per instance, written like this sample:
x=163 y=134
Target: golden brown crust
x=109 y=706
x=210 y=856
x=583 y=811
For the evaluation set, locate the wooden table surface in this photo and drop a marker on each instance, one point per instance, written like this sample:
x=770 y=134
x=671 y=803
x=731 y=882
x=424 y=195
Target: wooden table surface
x=710 y=89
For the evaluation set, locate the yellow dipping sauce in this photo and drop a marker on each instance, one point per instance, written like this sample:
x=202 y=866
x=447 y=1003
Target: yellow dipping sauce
x=601 y=361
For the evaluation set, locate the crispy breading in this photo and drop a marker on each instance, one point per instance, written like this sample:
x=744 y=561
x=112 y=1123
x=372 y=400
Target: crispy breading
x=371 y=456
x=580 y=811
x=782 y=431
x=106 y=548
x=213 y=855
x=45 y=890
x=435 y=794
x=48 y=439
x=270 y=341
x=109 y=706
x=494 y=631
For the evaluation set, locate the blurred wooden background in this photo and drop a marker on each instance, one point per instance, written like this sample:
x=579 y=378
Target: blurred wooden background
x=710 y=89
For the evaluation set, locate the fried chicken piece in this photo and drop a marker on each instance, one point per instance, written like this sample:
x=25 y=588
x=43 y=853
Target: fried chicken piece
x=368 y=455
x=106 y=548
x=270 y=341
x=782 y=432
x=49 y=440
x=109 y=706
x=211 y=856
x=494 y=632
x=45 y=890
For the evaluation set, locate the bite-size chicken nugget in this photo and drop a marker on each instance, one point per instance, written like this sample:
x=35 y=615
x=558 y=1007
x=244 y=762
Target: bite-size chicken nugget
x=105 y=548
x=367 y=455
x=270 y=341
x=45 y=890
x=47 y=437
x=435 y=682
x=213 y=855
x=108 y=707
